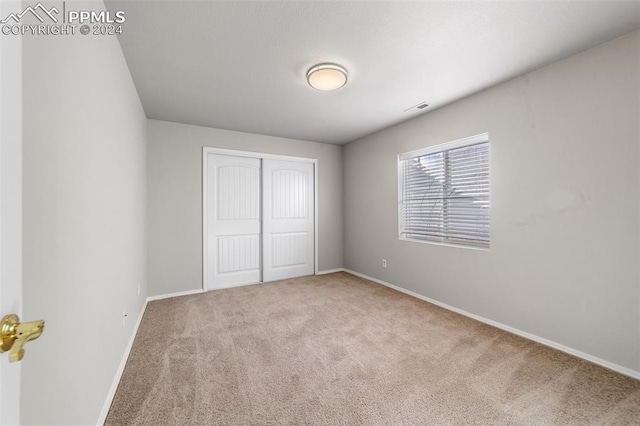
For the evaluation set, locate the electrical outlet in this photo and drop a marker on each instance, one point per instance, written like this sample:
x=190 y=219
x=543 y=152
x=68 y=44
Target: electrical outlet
x=384 y=263
x=124 y=318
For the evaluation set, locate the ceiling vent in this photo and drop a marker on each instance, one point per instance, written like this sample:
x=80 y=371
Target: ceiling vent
x=421 y=105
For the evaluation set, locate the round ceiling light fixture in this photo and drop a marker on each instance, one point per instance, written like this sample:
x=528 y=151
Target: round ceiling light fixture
x=327 y=76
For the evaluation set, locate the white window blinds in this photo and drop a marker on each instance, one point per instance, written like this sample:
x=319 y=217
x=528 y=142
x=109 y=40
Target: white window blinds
x=444 y=193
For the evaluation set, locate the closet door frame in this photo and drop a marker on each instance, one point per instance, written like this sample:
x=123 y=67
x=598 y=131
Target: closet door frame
x=205 y=182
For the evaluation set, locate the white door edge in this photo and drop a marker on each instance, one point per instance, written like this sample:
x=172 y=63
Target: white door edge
x=10 y=206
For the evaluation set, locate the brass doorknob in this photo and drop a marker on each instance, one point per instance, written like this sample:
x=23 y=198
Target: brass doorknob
x=15 y=334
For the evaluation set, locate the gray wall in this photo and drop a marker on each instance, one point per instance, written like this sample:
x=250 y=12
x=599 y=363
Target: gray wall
x=84 y=221
x=565 y=188
x=175 y=198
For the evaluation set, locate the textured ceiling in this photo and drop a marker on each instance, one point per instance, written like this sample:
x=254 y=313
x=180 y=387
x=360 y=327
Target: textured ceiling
x=241 y=65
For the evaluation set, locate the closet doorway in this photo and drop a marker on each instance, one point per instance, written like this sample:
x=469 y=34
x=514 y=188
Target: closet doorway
x=259 y=217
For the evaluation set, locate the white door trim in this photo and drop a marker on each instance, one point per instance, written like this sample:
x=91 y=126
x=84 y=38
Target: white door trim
x=10 y=206
x=209 y=150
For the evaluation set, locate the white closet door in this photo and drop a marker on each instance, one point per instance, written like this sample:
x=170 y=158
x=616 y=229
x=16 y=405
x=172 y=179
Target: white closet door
x=288 y=219
x=233 y=197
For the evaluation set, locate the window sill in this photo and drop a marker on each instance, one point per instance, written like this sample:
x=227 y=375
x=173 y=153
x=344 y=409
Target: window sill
x=439 y=243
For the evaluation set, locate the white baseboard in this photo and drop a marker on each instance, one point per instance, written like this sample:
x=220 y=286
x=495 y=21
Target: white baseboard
x=611 y=366
x=330 y=271
x=123 y=363
x=169 y=295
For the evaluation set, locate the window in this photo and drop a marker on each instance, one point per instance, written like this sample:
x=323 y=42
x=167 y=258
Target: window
x=444 y=193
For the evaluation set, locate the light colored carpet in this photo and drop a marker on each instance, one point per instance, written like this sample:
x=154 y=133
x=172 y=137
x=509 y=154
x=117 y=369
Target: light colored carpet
x=340 y=350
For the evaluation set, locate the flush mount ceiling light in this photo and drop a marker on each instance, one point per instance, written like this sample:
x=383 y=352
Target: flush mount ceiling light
x=327 y=76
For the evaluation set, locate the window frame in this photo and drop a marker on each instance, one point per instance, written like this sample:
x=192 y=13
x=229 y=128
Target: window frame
x=434 y=149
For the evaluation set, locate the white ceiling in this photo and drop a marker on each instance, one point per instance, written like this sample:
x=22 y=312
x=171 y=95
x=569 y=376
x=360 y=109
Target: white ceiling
x=241 y=65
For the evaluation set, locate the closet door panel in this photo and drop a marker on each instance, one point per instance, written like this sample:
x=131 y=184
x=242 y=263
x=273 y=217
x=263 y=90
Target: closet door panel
x=234 y=221
x=288 y=219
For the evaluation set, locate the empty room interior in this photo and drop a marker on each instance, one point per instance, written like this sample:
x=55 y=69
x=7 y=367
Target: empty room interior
x=328 y=213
